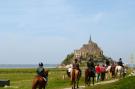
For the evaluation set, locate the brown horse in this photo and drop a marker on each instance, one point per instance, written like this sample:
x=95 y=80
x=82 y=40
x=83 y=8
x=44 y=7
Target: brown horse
x=39 y=82
x=88 y=75
x=75 y=76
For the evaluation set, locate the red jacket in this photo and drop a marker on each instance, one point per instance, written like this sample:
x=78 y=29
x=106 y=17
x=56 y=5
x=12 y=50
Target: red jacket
x=98 y=70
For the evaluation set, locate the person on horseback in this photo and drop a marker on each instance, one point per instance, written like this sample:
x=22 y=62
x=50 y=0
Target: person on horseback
x=90 y=71
x=120 y=63
x=107 y=63
x=76 y=66
x=91 y=65
x=41 y=71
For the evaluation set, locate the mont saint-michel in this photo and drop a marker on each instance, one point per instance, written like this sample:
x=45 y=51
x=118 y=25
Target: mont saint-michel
x=82 y=54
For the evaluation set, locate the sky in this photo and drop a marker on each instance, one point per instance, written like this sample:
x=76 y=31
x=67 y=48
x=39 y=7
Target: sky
x=32 y=31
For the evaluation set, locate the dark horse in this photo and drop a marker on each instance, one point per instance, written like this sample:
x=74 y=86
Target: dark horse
x=89 y=73
x=39 y=82
x=75 y=76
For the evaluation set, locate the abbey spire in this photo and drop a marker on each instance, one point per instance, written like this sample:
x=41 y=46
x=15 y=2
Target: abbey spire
x=90 y=39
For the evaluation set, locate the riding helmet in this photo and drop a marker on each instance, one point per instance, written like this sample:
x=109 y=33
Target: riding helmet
x=40 y=64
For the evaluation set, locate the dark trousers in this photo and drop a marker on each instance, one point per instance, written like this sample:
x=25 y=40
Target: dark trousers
x=103 y=76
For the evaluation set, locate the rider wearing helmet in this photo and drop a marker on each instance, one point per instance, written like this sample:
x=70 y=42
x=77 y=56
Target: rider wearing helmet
x=91 y=66
x=120 y=62
x=41 y=71
x=76 y=66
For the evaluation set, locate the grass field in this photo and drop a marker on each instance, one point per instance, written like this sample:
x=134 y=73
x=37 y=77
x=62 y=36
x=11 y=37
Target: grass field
x=22 y=79
x=126 y=83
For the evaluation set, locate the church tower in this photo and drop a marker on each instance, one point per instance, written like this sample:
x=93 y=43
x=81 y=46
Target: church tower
x=90 y=41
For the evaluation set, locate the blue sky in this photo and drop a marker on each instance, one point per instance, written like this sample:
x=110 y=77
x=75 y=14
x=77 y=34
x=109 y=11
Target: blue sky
x=47 y=30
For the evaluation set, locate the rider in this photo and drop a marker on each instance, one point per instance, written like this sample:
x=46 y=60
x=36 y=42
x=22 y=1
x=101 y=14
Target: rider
x=91 y=65
x=107 y=63
x=40 y=71
x=120 y=63
x=76 y=66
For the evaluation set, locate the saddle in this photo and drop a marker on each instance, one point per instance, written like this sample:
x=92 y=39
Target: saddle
x=91 y=72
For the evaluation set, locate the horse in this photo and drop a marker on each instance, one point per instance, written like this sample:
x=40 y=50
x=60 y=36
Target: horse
x=88 y=75
x=113 y=66
x=39 y=82
x=75 y=76
x=119 y=71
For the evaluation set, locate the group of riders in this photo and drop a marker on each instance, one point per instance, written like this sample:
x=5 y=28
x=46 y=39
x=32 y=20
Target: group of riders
x=98 y=71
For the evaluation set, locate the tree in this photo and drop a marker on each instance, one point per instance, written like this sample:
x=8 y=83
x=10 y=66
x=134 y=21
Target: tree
x=68 y=59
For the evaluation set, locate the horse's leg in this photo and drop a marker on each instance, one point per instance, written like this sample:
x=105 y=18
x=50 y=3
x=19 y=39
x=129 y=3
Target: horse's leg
x=44 y=87
x=73 y=77
x=40 y=87
x=77 y=78
x=34 y=85
x=123 y=72
x=77 y=82
x=93 y=80
x=89 y=81
x=74 y=85
x=85 y=79
x=116 y=74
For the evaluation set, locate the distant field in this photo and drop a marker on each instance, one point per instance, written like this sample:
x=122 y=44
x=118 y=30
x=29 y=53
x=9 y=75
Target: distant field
x=22 y=79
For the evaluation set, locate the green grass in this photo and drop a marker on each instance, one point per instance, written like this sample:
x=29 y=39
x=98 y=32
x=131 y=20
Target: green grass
x=126 y=83
x=22 y=79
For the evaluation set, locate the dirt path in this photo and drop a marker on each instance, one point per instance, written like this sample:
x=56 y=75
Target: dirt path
x=103 y=82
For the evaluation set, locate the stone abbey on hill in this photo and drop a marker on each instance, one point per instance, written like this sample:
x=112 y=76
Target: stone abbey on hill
x=91 y=49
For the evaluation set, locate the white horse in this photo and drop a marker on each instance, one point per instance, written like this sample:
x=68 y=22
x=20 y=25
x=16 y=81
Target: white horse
x=119 y=71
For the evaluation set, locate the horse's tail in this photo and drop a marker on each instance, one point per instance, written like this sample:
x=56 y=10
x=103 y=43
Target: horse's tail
x=73 y=75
